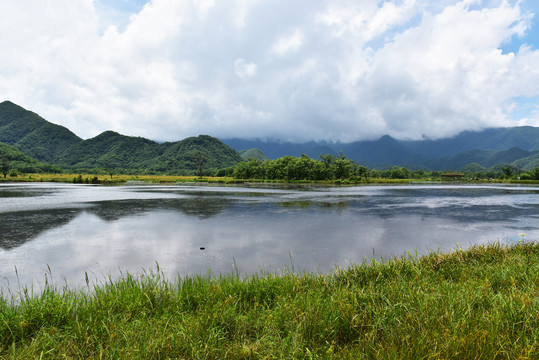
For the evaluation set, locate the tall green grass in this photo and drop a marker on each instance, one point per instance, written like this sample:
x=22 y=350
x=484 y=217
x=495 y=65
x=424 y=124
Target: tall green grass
x=480 y=303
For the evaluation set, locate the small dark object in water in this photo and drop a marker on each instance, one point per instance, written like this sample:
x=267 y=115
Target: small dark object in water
x=202 y=248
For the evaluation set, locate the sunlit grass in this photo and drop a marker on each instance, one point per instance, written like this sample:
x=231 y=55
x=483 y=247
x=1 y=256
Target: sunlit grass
x=171 y=179
x=481 y=303
x=116 y=179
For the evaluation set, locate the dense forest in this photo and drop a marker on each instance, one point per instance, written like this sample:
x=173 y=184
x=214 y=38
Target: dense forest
x=13 y=161
x=339 y=168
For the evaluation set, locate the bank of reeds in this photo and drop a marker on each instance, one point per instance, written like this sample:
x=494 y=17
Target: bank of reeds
x=480 y=303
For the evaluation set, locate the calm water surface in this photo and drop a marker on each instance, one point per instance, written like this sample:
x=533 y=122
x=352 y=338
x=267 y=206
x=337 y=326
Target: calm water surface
x=105 y=230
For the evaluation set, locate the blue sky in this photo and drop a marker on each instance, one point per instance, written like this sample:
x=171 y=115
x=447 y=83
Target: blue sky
x=117 y=12
x=297 y=70
x=531 y=37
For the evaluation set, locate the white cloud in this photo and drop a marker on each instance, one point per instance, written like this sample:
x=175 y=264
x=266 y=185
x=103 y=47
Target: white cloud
x=244 y=69
x=301 y=70
x=288 y=43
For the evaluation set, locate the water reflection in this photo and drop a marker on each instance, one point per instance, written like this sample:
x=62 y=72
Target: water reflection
x=102 y=230
x=303 y=204
x=199 y=206
x=19 y=227
x=16 y=228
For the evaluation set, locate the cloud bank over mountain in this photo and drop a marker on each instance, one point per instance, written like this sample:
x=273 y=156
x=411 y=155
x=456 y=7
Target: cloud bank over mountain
x=294 y=70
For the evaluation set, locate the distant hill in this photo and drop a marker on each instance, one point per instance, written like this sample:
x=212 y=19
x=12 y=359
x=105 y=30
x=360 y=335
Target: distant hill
x=127 y=154
x=486 y=158
x=110 y=150
x=518 y=146
x=185 y=153
x=523 y=137
x=277 y=149
x=253 y=153
x=33 y=135
x=36 y=137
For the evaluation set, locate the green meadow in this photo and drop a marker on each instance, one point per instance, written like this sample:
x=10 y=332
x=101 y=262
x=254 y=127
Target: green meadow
x=479 y=303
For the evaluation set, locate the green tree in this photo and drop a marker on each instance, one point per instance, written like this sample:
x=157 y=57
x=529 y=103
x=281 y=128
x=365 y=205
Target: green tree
x=5 y=165
x=327 y=168
x=305 y=168
x=109 y=171
x=362 y=172
x=251 y=169
x=507 y=172
x=342 y=166
x=200 y=160
x=534 y=173
x=399 y=173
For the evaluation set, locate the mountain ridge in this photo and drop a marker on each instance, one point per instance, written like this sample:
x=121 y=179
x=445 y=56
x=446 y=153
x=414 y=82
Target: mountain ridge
x=443 y=154
x=33 y=135
x=57 y=145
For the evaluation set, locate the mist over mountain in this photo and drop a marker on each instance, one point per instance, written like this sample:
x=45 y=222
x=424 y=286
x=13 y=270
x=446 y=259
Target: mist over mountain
x=514 y=145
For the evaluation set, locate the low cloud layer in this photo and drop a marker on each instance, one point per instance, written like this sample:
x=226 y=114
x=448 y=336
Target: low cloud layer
x=300 y=70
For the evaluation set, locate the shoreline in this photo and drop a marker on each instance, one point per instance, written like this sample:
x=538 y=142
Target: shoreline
x=173 y=179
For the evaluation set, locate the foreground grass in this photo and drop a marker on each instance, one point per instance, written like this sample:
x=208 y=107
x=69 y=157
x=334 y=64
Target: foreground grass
x=482 y=303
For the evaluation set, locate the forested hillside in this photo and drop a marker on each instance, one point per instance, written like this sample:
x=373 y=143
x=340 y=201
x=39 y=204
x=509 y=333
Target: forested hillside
x=12 y=161
x=118 y=153
x=33 y=135
x=109 y=151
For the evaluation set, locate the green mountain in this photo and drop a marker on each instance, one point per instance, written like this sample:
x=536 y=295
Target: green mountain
x=190 y=152
x=527 y=163
x=253 y=153
x=524 y=137
x=275 y=149
x=33 y=135
x=128 y=154
x=109 y=150
x=38 y=138
x=487 y=158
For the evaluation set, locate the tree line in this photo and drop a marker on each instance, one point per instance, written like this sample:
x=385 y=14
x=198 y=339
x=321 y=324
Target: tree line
x=340 y=168
x=290 y=168
x=328 y=167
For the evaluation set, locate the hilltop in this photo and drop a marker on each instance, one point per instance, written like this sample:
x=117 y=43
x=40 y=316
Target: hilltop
x=33 y=135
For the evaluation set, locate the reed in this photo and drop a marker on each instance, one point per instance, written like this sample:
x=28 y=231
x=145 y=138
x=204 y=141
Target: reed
x=479 y=303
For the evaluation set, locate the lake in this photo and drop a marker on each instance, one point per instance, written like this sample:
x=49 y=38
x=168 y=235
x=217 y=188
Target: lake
x=61 y=232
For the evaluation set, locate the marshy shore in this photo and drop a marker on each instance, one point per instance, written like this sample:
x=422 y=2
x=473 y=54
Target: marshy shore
x=479 y=303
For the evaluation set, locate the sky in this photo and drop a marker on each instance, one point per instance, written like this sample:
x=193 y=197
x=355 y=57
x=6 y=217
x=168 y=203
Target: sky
x=294 y=70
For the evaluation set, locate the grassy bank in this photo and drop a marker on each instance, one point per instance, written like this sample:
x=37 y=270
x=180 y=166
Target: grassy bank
x=172 y=179
x=115 y=179
x=481 y=303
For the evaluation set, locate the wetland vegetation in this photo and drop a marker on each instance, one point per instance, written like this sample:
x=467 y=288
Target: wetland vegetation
x=479 y=303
